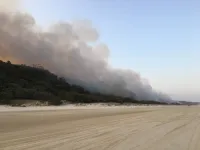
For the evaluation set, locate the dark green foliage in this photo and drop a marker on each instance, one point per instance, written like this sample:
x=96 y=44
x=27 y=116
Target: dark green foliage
x=36 y=83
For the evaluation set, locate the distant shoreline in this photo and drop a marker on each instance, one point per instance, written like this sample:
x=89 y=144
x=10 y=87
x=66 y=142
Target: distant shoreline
x=8 y=108
x=30 y=103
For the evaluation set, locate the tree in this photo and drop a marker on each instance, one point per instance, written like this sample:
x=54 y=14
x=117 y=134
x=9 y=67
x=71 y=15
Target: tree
x=8 y=62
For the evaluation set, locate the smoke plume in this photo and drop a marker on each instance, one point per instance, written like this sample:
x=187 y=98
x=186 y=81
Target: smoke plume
x=64 y=49
x=10 y=5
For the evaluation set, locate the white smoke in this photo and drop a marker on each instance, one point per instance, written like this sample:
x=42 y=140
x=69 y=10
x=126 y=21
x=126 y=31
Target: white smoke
x=10 y=5
x=63 y=49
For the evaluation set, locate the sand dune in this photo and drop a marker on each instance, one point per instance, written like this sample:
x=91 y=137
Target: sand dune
x=139 y=128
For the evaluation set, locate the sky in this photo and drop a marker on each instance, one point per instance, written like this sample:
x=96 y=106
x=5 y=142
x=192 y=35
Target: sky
x=158 y=39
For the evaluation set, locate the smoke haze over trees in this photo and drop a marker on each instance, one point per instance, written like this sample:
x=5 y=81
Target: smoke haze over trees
x=22 y=85
x=65 y=49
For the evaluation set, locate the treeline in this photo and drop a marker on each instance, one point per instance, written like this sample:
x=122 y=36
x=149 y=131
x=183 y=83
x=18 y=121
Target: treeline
x=36 y=83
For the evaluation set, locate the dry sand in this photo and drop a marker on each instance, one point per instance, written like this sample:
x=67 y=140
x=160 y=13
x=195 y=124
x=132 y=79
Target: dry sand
x=138 y=128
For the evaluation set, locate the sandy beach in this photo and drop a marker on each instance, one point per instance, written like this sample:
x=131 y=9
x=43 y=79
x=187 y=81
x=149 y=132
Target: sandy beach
x=98 y=128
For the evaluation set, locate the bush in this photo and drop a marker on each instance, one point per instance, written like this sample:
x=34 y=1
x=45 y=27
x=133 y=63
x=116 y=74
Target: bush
x=6 y=96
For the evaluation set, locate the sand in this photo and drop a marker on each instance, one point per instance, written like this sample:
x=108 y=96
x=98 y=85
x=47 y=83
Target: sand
x=100 y=128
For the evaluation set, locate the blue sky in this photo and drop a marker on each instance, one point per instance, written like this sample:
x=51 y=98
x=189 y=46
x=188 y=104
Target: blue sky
x=157 y=38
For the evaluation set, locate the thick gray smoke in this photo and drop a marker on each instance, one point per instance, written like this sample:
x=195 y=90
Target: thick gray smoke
x=65 y=49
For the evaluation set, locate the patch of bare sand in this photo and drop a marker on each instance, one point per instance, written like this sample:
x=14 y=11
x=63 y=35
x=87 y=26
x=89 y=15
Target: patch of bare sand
x=150 y=128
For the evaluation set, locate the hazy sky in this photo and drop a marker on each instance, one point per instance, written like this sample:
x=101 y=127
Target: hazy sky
x=158 y=39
